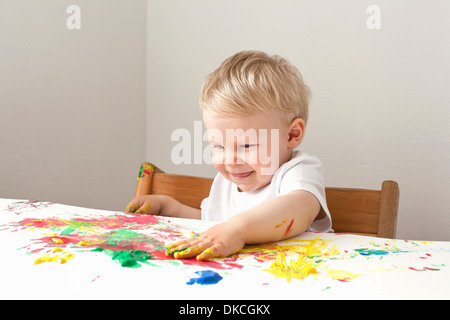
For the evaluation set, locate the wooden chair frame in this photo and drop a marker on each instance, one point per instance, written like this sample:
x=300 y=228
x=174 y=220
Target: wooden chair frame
x=356 y=211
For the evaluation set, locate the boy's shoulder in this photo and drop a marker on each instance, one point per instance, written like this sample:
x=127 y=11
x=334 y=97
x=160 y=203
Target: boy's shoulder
x=300 y=158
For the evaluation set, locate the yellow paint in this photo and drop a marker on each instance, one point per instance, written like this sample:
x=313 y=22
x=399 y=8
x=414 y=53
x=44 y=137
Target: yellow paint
x=61 y=258
x=57 y=240
x=269 y=252
x=342 y=275
x=83 y=243
x=145 y=169
x=293 y=269
x=207 y=254
x=144 y=209
x=305 y=263
x=57 y=250
x=187 y=253
x=129 y=207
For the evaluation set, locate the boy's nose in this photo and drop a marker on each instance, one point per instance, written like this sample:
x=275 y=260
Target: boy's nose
x=230 y=157
x=233 y=157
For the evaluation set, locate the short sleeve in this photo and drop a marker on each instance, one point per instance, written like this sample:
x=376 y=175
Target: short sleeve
x=308 y=174
x=204 y=208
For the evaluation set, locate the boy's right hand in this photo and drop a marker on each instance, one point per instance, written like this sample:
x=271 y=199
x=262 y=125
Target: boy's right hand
x=148 y=204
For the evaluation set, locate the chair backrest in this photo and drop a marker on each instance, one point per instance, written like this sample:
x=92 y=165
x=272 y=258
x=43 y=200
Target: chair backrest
x=356 y=211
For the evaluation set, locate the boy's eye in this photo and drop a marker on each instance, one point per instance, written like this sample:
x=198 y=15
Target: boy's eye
x=217 y=147
x=248 y=146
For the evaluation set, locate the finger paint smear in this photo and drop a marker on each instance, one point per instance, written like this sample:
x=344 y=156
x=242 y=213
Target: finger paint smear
x=205 y=277
x=138 y=241
x=118 y=237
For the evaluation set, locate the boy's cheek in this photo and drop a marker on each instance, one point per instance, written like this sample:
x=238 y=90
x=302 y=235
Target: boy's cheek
x=268 y=165
x=219 y=167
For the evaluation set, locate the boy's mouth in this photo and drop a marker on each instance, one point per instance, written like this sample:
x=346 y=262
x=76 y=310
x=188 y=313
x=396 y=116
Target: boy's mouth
x=241 y=176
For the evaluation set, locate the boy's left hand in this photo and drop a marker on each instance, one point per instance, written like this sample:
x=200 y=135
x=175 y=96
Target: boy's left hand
x=221 y=240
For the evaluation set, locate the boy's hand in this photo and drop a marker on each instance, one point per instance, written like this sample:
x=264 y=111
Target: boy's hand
x=221 y=240
x=149 y=204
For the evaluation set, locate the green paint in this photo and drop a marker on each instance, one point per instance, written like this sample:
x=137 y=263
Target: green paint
x=68 y=230
x=73 y=225
x=171 y=253
x=127 y=258
x=123 y=237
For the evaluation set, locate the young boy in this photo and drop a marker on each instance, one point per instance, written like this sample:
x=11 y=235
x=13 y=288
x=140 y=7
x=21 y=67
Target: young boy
x=255 y=109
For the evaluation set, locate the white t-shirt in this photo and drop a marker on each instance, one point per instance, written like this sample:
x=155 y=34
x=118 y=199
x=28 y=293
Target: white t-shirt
x=302 y=172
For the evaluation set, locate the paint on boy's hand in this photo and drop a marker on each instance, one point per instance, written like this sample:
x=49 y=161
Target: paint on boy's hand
x=144 y=209
x=207 y=254
x=129 y=208
x=188 y=252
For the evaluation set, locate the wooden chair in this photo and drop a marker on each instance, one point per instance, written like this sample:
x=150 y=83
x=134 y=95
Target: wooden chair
x=356 y=211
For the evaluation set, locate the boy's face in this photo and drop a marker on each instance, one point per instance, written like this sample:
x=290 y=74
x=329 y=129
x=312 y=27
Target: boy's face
x=248 y=150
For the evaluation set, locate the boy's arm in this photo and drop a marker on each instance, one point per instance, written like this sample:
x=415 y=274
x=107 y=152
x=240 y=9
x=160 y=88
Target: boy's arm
x=162 y=205
x=280 y=218
x=277 y=219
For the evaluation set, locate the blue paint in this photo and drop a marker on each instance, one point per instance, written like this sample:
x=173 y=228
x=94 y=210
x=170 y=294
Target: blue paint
x=369 y=252
x=205 y=277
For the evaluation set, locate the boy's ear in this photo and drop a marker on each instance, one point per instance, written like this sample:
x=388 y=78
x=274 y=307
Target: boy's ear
x=296 y=132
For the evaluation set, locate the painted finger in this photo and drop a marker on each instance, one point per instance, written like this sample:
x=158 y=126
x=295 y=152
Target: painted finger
x=209 y=253
x=184 y=241
x=176 y=244
x=188 y=252
x=144 y=209
x=180 y=246
x=131 y=207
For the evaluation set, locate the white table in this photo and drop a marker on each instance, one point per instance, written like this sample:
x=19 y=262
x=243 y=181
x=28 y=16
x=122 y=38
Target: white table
x=55 y=251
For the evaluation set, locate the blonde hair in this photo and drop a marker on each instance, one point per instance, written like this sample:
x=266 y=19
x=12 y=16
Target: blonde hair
x=252 y=81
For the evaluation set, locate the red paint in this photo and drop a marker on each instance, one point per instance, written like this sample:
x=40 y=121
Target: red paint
x=83 y=237
x=289 y=228
x=424 y=269
x=112 y=222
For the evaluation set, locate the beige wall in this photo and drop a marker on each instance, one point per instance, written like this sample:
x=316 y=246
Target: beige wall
x=380 y=106
x=72 y=102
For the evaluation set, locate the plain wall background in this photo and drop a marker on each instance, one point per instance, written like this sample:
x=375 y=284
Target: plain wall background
x=79 y=110
x=72 y=102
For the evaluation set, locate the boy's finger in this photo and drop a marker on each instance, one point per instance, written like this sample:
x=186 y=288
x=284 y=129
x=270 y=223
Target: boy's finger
x=131 y=207
x=182 y=245
x=209 y=253
x=173 y=245
x=144 y=209
x=185 y=248
x=188 y=252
